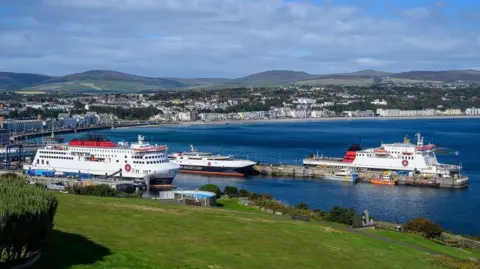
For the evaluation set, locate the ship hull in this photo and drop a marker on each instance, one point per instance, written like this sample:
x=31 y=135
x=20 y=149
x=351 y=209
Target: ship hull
x=217 y=171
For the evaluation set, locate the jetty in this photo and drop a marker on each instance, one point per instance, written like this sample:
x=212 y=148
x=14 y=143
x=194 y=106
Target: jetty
x=302 y=172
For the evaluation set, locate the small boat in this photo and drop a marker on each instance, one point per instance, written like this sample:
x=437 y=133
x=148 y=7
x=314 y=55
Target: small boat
x=343 y=175
x=384 y=179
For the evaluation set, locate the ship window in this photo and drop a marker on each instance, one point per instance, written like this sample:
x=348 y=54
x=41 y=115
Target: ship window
x=125 y=156
x=117 y=161
x=47 y=162
x=38 y=161
x=42 y=162
x=125 y=161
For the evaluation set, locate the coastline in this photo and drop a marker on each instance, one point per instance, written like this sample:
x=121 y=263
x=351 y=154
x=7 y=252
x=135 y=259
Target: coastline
x=226 y=122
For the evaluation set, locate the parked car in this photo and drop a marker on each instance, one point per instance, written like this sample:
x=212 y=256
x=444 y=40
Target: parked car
x=56 y=186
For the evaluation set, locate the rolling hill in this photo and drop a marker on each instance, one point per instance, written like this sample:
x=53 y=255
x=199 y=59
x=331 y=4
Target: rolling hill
x=9 y=80
x=96 y=81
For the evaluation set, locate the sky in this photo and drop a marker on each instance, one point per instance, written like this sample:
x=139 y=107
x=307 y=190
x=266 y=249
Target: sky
x=234 y=38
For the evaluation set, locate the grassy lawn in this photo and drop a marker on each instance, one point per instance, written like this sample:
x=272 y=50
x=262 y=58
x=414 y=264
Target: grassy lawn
x=422 y=242
x=96 y=232
x=232 y=203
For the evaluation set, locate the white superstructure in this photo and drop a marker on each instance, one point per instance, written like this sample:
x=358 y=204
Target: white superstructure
x=197 y=162
x=98 y=156
x=403 y=156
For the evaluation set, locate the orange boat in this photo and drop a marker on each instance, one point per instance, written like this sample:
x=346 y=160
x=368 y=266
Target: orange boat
x=379 y=181
x=385 y=179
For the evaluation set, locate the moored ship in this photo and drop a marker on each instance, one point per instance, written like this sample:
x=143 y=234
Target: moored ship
x=95 y=155
x=400 y=157
x=196 y=162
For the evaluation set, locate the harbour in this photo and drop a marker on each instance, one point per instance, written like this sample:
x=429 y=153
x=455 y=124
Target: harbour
x=302 y=172
x=280 y=156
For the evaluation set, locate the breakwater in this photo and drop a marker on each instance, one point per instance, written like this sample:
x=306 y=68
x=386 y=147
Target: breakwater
x=364 y=176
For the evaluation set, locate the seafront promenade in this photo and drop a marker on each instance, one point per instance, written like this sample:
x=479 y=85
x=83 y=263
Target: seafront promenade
x=287 y=120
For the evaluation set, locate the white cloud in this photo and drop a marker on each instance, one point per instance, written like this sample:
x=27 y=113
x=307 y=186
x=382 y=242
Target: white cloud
x=370 y=62
x=227 y=37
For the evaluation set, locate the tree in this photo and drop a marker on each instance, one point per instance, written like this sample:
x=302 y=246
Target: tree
x=27 y=214
x=341 y=215
x=428 y=228
x=243 y=193
x=231 y=191
x=212 y=188
x=302 y=206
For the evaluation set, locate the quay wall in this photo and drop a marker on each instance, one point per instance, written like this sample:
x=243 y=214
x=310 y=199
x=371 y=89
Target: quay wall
x=364 y=176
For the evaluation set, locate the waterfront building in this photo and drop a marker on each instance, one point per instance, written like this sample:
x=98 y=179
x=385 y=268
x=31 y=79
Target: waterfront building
x=23 y=125
x=472 y=111
x=4 y=137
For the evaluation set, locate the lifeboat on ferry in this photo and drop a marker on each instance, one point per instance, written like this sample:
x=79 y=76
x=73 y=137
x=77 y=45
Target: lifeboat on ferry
x=381 y=151
x=426 y=147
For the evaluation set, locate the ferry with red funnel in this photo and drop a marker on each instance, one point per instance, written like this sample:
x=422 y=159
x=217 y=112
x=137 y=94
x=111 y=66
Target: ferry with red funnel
x=96 y=156
x=403 y=156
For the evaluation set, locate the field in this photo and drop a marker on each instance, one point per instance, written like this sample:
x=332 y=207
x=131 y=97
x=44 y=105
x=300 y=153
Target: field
x=96 y=232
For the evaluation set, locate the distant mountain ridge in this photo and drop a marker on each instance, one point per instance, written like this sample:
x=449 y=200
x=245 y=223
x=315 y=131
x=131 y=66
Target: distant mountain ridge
x=113 y=81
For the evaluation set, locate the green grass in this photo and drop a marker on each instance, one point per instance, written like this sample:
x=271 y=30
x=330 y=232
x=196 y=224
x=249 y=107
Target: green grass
x=422 y=242
x=232 y=203
x=96 y=232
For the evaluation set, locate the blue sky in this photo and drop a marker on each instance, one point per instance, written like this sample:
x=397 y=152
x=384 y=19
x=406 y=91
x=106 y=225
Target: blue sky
x=233 y=38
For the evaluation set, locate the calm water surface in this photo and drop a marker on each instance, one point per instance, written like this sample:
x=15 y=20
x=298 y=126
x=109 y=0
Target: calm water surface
x=289 y=143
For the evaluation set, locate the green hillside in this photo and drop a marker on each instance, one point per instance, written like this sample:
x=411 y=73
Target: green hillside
x=94 y=232
x=96 y=81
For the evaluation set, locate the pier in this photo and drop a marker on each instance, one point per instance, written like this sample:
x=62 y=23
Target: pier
x=364 y=176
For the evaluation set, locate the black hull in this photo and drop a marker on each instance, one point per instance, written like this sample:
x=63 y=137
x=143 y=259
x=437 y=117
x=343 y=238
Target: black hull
x=220 y=171
x=160 y=181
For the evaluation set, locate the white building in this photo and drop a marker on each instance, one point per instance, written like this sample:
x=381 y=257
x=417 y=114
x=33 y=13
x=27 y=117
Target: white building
x=405 y=113
x=472 y=111
x=23 y=125
x=380 y=103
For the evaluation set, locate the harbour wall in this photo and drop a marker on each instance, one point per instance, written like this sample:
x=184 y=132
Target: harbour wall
x=364 y=176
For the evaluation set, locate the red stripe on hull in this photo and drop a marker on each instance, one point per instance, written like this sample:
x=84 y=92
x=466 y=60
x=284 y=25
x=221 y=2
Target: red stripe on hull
x=166 y=186
x=212 y=173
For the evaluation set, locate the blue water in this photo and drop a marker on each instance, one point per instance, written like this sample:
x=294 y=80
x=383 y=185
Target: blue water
x=289 y=143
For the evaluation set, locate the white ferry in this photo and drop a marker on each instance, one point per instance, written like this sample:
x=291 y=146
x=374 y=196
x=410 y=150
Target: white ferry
x=196 y=162
x=94 y=155
x=404 y=156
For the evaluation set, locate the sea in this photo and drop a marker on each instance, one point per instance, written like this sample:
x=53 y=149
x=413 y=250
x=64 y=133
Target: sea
x=456 y=210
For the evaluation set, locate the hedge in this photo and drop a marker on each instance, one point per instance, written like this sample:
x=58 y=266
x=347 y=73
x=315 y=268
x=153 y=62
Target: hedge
x=26 y=218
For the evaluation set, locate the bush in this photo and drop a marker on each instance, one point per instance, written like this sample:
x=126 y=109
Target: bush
x=94 y=190
x=267 y=196
x=341 y=215
x=231 y=191
x=26 y=218
x=426 y=227
x=302 y=206
x=212 y=188
x=243 y=193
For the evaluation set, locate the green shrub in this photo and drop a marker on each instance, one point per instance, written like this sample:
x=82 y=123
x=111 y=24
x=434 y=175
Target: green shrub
x=341 y=215
x=302 y=206
x=26 y=217
x=231 y=191
x=243 y=193
x=426 y=227
x=94 y=190
x=212 y=188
